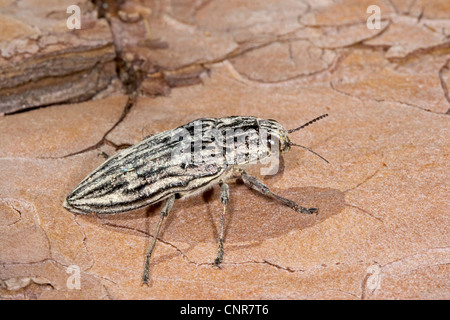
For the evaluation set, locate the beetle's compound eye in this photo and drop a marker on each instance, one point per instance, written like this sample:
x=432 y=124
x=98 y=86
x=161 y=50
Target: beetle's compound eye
x=273 y=142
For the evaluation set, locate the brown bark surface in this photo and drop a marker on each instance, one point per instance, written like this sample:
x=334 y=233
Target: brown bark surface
x=142 y=67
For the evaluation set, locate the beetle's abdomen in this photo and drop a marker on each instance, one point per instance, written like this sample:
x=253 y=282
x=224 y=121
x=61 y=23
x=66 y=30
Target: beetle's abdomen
x=138 y=176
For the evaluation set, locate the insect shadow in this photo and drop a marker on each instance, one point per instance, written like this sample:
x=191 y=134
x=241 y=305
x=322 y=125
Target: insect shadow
x=250 y=220
x=250 y=216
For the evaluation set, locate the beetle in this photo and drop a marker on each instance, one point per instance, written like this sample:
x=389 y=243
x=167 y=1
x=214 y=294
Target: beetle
x=182 y=162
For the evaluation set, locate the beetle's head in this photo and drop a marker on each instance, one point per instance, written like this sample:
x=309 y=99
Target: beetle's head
x=278 y=136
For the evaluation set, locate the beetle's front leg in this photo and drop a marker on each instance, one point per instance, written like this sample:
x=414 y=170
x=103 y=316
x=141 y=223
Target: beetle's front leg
x=257 y=185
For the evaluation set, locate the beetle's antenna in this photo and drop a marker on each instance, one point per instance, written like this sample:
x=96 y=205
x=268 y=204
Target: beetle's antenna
x=297 y=145
x=308 y=123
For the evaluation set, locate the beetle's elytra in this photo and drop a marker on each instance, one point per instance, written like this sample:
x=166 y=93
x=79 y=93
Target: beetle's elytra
x=180 y=162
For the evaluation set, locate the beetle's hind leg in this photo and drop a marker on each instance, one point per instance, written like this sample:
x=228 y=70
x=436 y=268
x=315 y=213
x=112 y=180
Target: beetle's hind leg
x=257 y=185
x=224 y=198
x=164 y=212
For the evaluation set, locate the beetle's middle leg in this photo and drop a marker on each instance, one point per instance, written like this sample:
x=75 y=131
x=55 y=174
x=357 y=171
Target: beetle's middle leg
x=257 y=185
x=224 y=198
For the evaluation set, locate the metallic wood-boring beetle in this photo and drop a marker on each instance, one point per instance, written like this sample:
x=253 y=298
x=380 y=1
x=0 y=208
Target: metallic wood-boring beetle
x=158 y=169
